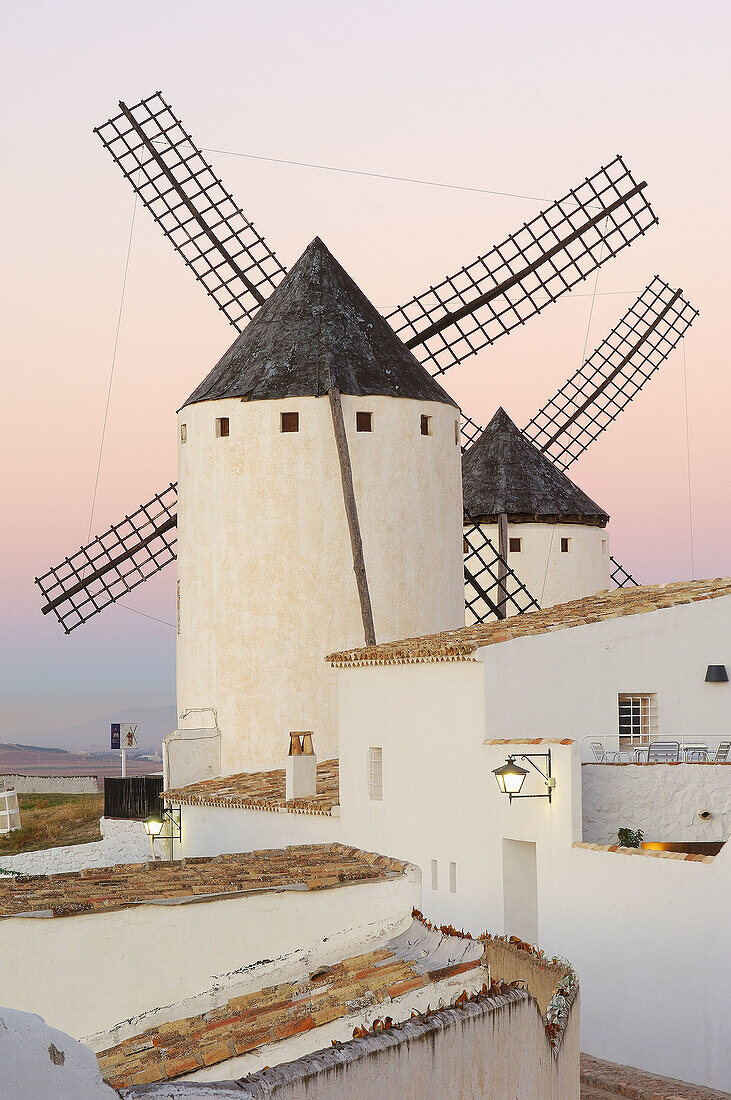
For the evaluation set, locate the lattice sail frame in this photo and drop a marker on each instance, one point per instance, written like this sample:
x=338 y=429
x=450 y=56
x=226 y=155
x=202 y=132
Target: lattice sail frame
x=114 y=563
x=190 y=204
x=482 y=569
x=517 y=279
x=619 y=576
x=613 y=375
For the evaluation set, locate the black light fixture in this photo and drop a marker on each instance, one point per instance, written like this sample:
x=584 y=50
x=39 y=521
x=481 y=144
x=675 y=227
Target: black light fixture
x=716 y=674
x=165 y=826
x=510 y=777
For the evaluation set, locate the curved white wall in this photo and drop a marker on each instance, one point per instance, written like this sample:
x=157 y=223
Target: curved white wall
x=553 y=577
x=265 y=567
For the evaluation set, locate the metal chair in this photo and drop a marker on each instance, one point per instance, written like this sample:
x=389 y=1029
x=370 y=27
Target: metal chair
x=695 y=751
x=600 y=756
x=663 y=752
x=722 y=753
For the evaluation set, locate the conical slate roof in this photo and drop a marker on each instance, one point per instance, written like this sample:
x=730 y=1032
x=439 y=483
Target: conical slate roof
x=317 y=330
x=504 y=472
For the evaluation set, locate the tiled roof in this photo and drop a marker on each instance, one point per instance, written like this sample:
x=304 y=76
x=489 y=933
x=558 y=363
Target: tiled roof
x=503 y=472
x=315 y=331
x=100 y=889
x=460 y=644
x=412 y=961
x=651 y=852
x=530 y=741
x=261 y=791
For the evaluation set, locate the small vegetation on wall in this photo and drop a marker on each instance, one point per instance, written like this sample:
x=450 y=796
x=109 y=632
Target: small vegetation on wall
x=630 y=838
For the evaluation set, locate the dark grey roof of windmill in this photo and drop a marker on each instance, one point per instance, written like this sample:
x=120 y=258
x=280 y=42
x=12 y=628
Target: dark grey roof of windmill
x=317 y=330
x=504 y=472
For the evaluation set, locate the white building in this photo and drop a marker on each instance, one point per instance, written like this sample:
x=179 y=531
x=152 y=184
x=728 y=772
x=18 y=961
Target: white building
x=547 y=529
x=423 y=724
x=273 y=507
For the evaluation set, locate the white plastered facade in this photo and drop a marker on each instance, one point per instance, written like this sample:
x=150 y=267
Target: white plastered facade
x=265 y=567
x=632 y=925
x=553 y=576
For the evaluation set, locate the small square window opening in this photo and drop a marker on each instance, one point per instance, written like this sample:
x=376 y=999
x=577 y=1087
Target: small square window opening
x=290 y=422
x=434 y=875
x=375 y=774
x=222 y=426
x=515 y=545
x=364 y=422
x=183 y=433
x=604 y=546
x=426 y=425
x=565 y=546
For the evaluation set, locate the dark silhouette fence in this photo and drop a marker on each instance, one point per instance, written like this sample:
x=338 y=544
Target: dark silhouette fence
x=135 y=797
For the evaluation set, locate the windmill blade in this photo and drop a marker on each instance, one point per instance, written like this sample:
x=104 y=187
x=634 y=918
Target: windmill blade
x=613 y=375
x=190 y=204
x=470 y=430
x=533 y=267
x=492 y=589
x=114 y=563
x=619 y=576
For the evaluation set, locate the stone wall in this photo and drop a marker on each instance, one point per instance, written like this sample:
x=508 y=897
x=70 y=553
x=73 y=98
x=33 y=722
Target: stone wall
x=664 y=800
x=493 y=1049
x=51 y=784
x=122 y=842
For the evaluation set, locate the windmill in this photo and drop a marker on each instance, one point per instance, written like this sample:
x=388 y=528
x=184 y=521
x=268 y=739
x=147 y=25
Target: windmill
x=469 y=310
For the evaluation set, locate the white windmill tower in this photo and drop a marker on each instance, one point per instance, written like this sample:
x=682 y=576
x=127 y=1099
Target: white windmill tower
x=316 y=449
x=497 y=292
x=546 y=529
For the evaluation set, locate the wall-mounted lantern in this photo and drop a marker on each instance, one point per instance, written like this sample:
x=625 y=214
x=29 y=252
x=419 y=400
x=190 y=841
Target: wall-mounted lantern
x=165 y=826
x=716 y=674
x=511 y=777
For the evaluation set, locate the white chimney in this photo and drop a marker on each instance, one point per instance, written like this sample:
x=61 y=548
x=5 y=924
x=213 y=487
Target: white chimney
x=301 y=769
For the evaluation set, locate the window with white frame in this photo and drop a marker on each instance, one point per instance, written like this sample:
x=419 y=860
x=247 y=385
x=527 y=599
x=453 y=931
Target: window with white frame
x=637 y=720
x=375 y=774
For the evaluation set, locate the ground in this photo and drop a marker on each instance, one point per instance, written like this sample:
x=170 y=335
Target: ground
x=51 y=820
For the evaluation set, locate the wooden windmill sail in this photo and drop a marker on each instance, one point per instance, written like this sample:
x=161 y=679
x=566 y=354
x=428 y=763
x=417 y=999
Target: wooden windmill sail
x=488 y=298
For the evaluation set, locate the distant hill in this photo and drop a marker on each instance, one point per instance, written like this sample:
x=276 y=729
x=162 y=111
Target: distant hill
x=36 y=760
x=93 y=735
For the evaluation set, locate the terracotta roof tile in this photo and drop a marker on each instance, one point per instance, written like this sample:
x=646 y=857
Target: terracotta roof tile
x=651 y=852
x=261 y=791
x=100 y=889
x=175 y=1049
x=461 y=644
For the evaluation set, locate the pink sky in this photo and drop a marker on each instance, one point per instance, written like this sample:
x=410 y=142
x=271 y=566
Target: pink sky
x=526 y=98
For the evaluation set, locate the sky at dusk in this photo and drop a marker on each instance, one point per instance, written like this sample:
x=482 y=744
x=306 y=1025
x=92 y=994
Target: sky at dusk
x=525 y=98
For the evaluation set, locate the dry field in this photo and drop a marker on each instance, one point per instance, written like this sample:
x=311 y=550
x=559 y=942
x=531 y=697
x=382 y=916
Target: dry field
x=51 y=820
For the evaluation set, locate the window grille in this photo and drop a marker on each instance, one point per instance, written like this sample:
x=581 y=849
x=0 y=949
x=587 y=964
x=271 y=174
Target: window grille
x=290 y=422
x=222 y=426
x=637 y=720
x=375 y=774
x=364 y=422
